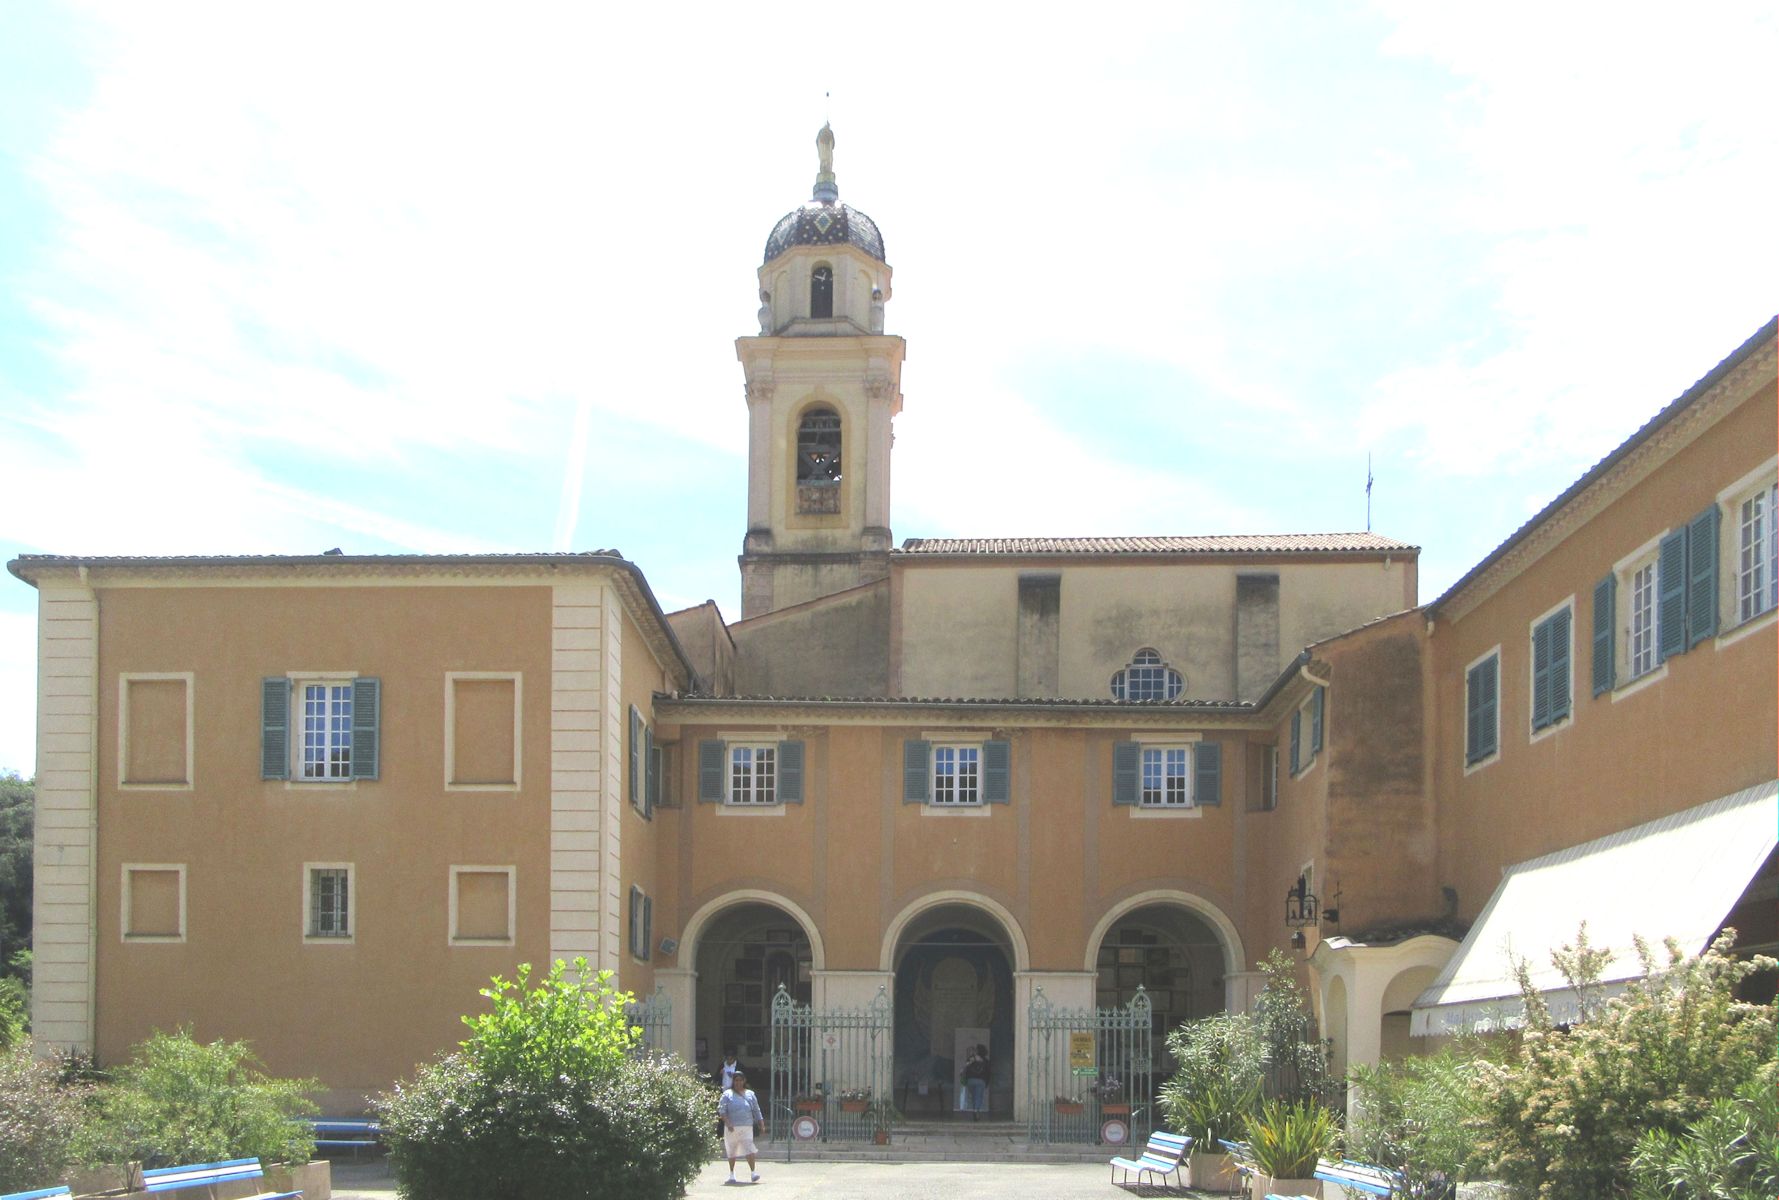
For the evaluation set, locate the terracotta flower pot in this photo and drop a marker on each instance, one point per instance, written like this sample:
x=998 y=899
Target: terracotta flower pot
x=1115 y=1109
x=1069 y=1109
x=853 y=1106
x=808 y=1106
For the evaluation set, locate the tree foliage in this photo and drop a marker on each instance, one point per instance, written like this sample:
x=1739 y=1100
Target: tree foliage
x=17 y=804
x=1421 y=1117
x=1222 y=1066
x=40 y=1120
x=1296 y=1058
x=180 y=1101
x=548 y=1097
x=1730 y=1153
x=1564 y=1113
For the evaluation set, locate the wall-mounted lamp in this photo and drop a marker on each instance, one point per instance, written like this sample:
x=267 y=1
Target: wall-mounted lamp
x=1298 y=941
x=1301 y=905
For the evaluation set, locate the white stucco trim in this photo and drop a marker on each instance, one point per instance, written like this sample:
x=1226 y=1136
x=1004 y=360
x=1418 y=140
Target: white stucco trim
x=517 y=679
x=1235 y=958
x=693 y=929
x=124 y=680
x=892 y=934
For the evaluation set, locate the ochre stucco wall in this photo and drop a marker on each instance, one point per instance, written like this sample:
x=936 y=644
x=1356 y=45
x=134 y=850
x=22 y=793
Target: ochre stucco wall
x=356 y=1015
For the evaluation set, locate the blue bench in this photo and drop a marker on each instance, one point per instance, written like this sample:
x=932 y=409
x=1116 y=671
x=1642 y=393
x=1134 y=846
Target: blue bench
x=1354 y=1177
x=1161 y=1157
x=346 y=1133
x=1245 y=1166
x=40 y=1194
x=171 y=1179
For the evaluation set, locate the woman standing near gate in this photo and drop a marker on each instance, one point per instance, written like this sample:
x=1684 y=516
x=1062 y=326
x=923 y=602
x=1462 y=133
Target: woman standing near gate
x=975 y=1080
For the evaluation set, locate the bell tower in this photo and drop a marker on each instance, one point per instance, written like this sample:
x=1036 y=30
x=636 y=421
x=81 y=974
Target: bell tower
x=823 y=385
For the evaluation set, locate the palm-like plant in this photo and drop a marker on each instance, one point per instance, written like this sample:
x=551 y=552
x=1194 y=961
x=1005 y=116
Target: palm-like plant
x=1288 y=1139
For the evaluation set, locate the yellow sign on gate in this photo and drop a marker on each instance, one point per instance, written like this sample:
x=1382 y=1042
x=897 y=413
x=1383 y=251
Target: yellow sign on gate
x=1081 y=1053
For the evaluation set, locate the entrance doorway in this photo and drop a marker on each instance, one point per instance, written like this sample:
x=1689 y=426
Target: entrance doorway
x=744 y=956
x=1173 y=954
x=954 y=993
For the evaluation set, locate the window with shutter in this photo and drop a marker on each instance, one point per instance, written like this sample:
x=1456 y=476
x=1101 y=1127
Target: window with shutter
x=1671 y=594
x=1296 y=741
x=1551 y=683
x=1605 y=595
x=1701 y=575
x=1480 y=697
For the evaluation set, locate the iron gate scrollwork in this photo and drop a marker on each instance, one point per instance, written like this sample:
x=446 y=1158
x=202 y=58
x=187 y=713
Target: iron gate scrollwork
x=655 y=1017
x=830 y=1064
x=1086 y=1067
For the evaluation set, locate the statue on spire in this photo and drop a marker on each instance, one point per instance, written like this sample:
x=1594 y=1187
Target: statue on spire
x=826 y=190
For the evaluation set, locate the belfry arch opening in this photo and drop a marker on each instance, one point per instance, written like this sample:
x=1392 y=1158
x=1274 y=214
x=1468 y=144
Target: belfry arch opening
x=820 y=462
x=744 y=955
x=953 y=993
x=821 y=292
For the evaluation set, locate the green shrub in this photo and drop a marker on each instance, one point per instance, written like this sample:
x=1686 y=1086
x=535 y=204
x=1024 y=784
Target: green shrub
x=1217 y=1086
x=548 y=1098
x=1730 y=1153
x=1296 y=1058
x=1288 y=1138
x=178 y=1101
x=1564 y=1113
x=40 y=1118
x=1421 y=1117
x=15 y=1011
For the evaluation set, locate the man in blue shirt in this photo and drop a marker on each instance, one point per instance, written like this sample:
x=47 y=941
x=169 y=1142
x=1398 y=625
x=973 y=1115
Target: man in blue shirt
x=740 y=1111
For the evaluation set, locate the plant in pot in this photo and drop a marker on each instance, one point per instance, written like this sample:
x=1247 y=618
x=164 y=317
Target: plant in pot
x=1287 y=1140
x=1109 y=1090
x=883 y=1114
x=854 y=1100
x=1217 y=1086
x=810 y=1102
x=1069 y=1106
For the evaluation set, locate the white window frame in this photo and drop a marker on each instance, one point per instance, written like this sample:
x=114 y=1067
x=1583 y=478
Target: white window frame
x=1307 y=754
x=123 y=729
x=310 y=936
x=1732 y=625
x=1173 y=683
x=1495 y=754
x=1642 y=654
x=1271 y=798
x=300 y=683
x=729 y=768
x=1569 y=718
x=1160 y=751
x=1757 y=560
x=123 y=929
x=451 y=678
x=452 y=937
x=958 y=751
x=642 y=912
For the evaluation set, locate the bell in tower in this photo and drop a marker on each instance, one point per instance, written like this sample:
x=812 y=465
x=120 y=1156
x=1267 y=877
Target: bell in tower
x=823 y=385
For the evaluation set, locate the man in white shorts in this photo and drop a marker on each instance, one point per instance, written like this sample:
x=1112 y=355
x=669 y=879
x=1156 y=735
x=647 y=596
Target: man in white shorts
x=740 y=1111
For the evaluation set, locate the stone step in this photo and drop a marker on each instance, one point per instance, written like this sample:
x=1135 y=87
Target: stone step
x=1006 y=1144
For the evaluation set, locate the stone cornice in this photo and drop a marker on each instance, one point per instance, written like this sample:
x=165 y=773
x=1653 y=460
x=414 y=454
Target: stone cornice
x=1634 y=462
x=976 y=714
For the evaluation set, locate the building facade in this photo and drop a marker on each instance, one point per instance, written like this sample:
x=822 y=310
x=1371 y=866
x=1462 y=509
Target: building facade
x=316 y=801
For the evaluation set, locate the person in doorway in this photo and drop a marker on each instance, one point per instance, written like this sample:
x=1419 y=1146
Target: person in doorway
x=975 y=1076
x=730 y=1066
x=742 y=1120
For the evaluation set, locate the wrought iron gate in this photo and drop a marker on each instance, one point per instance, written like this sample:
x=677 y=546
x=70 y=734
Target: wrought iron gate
x=832 y=1065
x=655 y=1016
x=1087 y=1067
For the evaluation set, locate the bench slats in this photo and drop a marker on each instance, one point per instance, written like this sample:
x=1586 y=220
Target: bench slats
x=1364 y=1177
x=169 y=1179
x=39 y=1194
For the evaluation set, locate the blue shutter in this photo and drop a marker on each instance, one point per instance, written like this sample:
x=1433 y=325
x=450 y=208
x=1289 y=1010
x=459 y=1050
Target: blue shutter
x=657 y=769
x=1316 y=701
x=790 y=772
x=1605 y=644
x=1671 y=595
x=648 y=926
x=712 y=758
x=1207 y=783
x=1472 y=709
x=1486 y=723
x=1541 y=675
x=651 y=783
x=916 y=759
x=367 y=702
x=1701 y=577
x=1296 y=740
x=1127 y=763
x=997 y=772
x=1561 y=673
x=636 y=768
x=274 y=728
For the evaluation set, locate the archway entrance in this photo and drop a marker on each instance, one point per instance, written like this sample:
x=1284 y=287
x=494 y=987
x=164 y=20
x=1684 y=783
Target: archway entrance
x=744 y=954
x=1173 y=954
x=954 y=991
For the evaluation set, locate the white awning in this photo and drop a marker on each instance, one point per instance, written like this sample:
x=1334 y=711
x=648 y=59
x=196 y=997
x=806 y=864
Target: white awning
x=1677 y=877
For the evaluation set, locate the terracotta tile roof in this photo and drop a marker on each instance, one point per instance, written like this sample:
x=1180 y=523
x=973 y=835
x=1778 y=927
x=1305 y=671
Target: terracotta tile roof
x=973 y=702
x=1234 y=543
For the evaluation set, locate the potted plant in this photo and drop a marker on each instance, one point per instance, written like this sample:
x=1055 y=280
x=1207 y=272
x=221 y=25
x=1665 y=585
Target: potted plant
x=1107 y=1089
x=854 y=1100
x=1287 y=1140
x=883 y=1115
x=1216 y=1088
x=810 y=1102
x=1069 y=1106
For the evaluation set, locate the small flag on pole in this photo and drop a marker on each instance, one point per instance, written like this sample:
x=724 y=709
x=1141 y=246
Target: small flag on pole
x=1368 y=491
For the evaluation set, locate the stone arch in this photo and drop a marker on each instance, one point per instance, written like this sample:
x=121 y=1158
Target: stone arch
x=1235 y=959
x=892 y=933
x=695 y=925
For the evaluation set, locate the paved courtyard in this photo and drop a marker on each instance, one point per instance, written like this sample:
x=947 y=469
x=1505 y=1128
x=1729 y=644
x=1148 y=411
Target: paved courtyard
x=854 y=1181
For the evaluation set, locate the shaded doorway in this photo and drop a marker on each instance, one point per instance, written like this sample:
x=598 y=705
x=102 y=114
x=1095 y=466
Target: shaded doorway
x=1173 y=954
x=954 y=989
x=744 y=955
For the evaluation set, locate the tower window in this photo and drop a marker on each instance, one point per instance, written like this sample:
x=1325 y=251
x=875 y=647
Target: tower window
x=821 y=292
x=1147 y=678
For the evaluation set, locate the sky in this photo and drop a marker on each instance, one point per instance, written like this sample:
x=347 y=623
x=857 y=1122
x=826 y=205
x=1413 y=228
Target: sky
x=443 y=278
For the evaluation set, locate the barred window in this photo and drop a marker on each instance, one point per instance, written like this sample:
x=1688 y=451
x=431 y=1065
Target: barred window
x=330 y=903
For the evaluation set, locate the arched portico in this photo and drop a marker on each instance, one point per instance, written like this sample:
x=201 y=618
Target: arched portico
x=1154 y=900
x=893 y=932
x=1360 y=986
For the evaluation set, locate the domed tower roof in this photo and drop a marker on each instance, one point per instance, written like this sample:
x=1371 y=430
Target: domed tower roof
x=824 y=221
